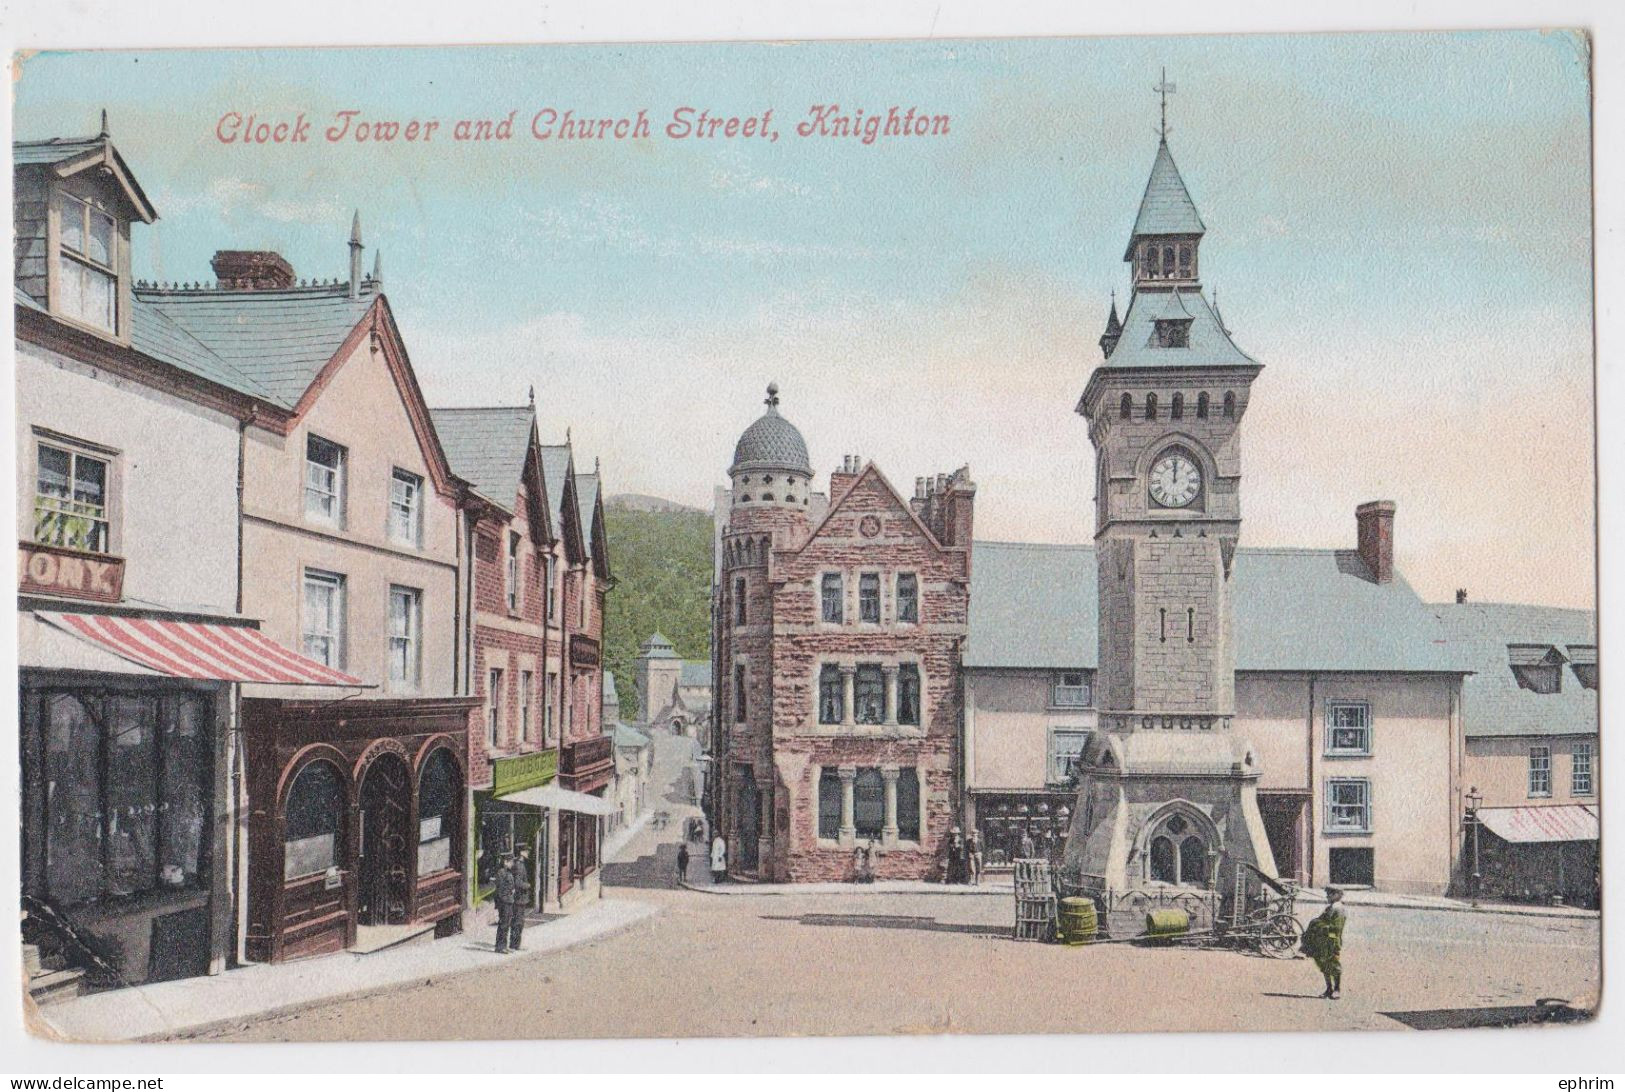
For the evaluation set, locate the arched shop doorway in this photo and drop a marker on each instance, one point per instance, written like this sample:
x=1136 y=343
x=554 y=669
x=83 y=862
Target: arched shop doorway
x=384 y=875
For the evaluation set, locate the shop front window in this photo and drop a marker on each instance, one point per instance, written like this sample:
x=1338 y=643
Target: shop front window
x=315 y=810
x=437 y=813
x=126 y=799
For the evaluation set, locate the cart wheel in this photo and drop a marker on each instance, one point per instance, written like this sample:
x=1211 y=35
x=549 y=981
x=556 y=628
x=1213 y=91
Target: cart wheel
x=1280 y=938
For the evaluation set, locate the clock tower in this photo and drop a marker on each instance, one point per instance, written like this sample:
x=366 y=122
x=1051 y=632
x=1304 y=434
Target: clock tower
x=1167 y=811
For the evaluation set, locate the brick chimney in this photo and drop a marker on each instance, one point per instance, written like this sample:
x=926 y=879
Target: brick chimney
x=247 y=270
x=841 y=480
x=959 y=502
x=1375 y=520
x=1461 y=595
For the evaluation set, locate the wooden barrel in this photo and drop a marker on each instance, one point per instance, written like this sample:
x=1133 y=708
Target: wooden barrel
x=1167 y=923
x=1078 y=922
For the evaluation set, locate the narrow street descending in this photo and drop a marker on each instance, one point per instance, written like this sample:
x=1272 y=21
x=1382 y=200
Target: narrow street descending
x=713 y=964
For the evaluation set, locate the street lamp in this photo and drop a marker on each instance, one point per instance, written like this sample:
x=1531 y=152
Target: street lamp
x=1474 y=800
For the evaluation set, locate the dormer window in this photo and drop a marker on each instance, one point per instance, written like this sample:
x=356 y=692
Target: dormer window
x=87 y=263
x=1538 y=668
x=1173 y=333
x=1583 y=661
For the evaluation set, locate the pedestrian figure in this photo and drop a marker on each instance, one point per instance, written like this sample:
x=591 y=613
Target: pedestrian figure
x=973 y=846
x=719 y=859
x=1323 y=942
x=508 y=906
x=955 y=872
x=1028 y=849
x=682 y=863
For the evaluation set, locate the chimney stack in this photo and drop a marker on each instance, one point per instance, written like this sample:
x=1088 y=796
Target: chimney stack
x=841 y=480
x=1461 y=595
x=247 y=270
x=1375 y=520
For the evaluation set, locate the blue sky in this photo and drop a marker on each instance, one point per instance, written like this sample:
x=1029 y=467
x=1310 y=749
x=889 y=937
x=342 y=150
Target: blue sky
x=1398 y=228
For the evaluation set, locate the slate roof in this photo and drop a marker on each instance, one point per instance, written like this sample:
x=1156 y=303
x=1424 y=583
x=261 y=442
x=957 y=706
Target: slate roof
x=486 y=447
x=771 y=443
x=556 y=469
x=657 y=647
x=630 y=737
x=1209 y=345
x=695 y=673
x=29 y=152
x=1034 y=606
x=1166 y=207
x=154 y=335
x=278 y=339
x=1493 y=704
x=586 y=498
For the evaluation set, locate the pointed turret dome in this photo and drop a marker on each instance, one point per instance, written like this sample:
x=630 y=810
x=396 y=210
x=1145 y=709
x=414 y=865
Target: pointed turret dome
x=1166 y=207
x=771 y=443
x=1114 y=330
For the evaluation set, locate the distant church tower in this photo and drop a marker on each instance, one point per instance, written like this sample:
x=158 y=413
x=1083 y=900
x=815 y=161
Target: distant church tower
x=1167 y=810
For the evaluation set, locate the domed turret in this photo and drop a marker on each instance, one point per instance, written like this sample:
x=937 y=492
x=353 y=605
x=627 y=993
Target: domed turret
x=771 y=466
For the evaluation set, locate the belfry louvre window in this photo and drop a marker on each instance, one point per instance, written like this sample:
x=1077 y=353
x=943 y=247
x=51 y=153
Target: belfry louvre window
x=831 y=695
x=869 y=597
x=324 y=480
x=908 y=597
x=70 y=500
x=1348 y=805
x=832 y=595
x=1173 y=333
x=87 y=264
x=870 y=694
x=1540 y=771
x=1348 y=728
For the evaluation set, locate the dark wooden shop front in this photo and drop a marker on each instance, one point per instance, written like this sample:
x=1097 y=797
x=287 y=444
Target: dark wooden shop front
x=356 y=819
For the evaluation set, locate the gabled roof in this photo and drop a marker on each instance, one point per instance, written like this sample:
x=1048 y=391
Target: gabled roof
x=587 y=503
x=1166 y=207
x=280 y=339
x=488 y=448
x=695 y=673
x=1492 y=636
x=1208 y=344
x=837 y=503
x=67 y=156
x=557 y=465
x=1034 y=606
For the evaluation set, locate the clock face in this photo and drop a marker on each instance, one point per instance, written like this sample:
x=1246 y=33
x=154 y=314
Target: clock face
x=1175 y=480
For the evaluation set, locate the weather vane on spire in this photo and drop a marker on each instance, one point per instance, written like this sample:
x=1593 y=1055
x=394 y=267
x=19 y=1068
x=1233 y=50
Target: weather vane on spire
x=1164 y=89
x=773 y=395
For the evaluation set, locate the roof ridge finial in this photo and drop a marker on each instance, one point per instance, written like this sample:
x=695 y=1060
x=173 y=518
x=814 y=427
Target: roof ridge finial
x=773 y=397
x=378 y=266
x=566 y=434
x=533 y=396
x=104 y=134
x=1164 y=89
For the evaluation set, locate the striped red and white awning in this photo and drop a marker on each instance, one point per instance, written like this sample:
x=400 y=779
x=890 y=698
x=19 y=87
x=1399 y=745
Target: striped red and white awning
x=1542 y=823
x=198 y=650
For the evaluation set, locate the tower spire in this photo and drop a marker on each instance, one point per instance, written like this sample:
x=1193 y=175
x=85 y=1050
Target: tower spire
x=1164 y=89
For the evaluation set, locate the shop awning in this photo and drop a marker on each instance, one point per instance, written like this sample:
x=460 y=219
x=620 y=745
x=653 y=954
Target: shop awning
x=1554 y=823
x=198 y=650
x=551 y=796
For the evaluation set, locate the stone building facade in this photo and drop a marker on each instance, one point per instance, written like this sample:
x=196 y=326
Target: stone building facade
x=837 y=704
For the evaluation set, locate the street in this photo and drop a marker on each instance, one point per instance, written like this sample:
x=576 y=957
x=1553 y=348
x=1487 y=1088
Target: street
x=879 y=963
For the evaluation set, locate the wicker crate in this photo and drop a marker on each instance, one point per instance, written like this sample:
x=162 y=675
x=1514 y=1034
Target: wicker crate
x=1035 y=918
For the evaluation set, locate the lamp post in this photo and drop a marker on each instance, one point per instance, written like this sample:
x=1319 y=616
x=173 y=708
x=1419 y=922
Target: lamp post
x=1474 y=800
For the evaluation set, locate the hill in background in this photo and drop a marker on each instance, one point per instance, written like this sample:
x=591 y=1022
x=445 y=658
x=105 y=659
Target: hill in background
x=660 y=553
